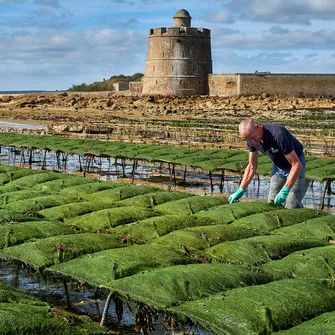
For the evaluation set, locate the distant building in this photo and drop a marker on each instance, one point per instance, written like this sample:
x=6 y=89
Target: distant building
x=179 y=63
x=121 y=86
x=179 y=59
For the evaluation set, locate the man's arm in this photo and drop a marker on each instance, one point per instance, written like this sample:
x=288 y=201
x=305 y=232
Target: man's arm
x=291 y=179
x=295 y=170
x=247 y=177
x=250 y=170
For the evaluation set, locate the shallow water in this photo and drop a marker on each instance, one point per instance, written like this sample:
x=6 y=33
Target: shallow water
x=196 y=181
x=84 y=300
x=4 y=124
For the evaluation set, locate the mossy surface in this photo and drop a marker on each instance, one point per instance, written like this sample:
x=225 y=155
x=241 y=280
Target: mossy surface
x=229 y=267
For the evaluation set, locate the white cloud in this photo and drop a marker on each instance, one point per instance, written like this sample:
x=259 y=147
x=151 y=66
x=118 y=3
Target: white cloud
x=57 y=43
x=51 y=3
x=8 y=2
x=275 y=38
x=233 y=62
x=284 y=11
x=218 y=17
x=71 y=57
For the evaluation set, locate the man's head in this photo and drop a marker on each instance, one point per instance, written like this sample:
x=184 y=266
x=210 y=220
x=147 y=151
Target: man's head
x=250 y=130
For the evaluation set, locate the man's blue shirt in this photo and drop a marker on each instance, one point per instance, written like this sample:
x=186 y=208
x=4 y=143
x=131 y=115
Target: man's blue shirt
x=276 y=143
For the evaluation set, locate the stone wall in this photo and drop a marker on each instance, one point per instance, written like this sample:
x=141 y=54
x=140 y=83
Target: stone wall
x=299 y=85
x=223 y=85
x=288 y=84
x=136 y=87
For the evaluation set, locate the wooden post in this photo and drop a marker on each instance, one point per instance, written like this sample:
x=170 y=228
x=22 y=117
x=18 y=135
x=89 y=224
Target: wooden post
x=322 y=204
x=31 y=157
x=67 y=296
x=184 y=178
x=222 y=181
x=211 y=180
x=134 y=170
x=105 y=311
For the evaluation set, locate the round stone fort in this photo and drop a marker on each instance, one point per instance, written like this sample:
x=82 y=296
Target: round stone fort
x=179 y=59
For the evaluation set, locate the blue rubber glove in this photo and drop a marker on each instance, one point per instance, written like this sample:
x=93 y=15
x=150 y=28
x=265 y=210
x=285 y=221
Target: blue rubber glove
x=235 y=196
x=281 y=196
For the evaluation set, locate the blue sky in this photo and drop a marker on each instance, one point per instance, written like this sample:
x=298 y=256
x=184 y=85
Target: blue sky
x=53 y=44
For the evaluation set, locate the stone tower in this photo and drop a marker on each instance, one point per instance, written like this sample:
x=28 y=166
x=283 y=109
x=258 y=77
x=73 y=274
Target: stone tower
x=179 y=59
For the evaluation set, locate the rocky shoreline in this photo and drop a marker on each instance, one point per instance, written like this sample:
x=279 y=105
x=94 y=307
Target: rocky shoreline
x=102 y=106
x=191 y=121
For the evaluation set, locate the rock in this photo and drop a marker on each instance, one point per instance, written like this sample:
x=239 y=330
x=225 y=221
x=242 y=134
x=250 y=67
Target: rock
x=6 y=98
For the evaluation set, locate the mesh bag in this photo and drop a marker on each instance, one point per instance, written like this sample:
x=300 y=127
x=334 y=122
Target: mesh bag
x=57 y=249
x=191 y=205
x=102 y=267
x=164 y=288
x=261 y=309
x=102 y=220
x=13 y=234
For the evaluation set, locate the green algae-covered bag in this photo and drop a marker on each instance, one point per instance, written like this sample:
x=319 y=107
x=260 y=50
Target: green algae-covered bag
x=84 y=189
x=41 y=202
x=34 y=177
x=313 y=263
x=13 y=234
x=170 y=286
x=266 y=222
x=206 y=236
x=191 y=205
x=101 y=220
x=120 y=193
x=102 y=267
x=9 y=216
x=261 y=309
x=16 y=174
x=57 y=249
x=153 y=227
x=231 y=212
x=322 y=227
x=323 y=324
x=153 y=199
x=55 y=186
x=72 y=210
x=21 y=314
x=24 y=194
x=260 y=249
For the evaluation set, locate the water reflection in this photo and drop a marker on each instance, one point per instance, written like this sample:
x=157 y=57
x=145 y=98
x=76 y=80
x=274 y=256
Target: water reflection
x=4 y=124
x=195 y=181
x=84 y=300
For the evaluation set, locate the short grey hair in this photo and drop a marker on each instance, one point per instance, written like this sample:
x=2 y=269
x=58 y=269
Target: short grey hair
x=247 y=126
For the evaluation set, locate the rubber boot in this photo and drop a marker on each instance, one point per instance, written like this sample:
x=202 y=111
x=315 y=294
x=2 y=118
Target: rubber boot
x=276 y=184
x=297 y=193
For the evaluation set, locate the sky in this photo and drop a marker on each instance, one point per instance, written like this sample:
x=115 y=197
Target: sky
x=54 y=44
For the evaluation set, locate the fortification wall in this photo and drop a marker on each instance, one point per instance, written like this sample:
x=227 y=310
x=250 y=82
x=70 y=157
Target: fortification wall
x=223 y=85
x=178 y=62
x=288 y=84
x=136 y=87
x=309 y=85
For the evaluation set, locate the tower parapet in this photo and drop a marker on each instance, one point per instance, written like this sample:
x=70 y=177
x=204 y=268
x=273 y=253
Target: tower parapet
x=179 y=59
